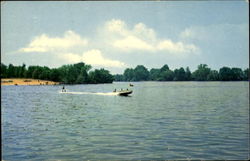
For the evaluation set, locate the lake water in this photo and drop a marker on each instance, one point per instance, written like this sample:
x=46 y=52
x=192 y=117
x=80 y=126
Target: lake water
x=161 y=120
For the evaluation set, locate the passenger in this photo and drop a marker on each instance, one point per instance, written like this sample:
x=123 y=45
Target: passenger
x=63 y=89
x=114 y=90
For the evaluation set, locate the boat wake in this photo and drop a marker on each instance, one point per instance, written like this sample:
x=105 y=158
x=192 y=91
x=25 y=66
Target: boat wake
x=93 y=93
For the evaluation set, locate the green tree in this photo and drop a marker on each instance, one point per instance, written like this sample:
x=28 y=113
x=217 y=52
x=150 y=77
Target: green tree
x=80 y=79
x=72 y=74
x=92 y=78
x=118 y=77
x=167 y=75
x=84 y=73
x=79 y=73
x=179 y=74
x=141 y=73
x=62 y=71
x=45 y=74
x=11 y=71
x=54 y=75
x=164 y=68
x=30 y=71
x=22 y=71
x=246 y=74
x=38 y=71
x=154 y=74
x=69 y=74
x=3 y=71
x=35 y=74
x=100 y=76
x=25 y=74
x=201 y=74
x=213 y=76
x=188 y=75
x=225 y=74
x=129 y=74
x=16 y=71
x=237 y=74
x=107 y=77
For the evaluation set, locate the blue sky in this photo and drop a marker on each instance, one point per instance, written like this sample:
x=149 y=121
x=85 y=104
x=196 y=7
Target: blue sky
x=117 y=35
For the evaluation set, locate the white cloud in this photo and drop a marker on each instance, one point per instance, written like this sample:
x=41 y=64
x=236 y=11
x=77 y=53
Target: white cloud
x=132 y=42
x=115 y=37
x=44 y=43
x=178 y=47
x=141 y=30
x=70 y=57
x=140 y=37
x=116 y=27
x=93 y=57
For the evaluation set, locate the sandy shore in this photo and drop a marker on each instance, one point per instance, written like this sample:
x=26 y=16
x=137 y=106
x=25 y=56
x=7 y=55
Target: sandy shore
x=21 y=81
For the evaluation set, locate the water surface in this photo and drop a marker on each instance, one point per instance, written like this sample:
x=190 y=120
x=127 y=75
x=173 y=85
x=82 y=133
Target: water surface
x=161 y=120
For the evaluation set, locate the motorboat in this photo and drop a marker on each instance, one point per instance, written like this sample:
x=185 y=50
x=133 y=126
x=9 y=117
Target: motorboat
x=125 y=92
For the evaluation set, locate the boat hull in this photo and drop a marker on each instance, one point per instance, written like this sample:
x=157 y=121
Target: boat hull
x=124 y=93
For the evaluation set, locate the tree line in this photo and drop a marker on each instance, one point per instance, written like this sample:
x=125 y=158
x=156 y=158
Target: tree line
x=80 y=73
x=68 y=74
x=202 y=73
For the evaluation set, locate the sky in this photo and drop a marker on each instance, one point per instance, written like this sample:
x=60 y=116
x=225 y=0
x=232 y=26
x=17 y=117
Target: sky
x=123 y=34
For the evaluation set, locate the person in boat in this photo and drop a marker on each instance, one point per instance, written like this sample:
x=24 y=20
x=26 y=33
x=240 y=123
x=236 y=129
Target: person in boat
x=63 y=89
x=114 y=90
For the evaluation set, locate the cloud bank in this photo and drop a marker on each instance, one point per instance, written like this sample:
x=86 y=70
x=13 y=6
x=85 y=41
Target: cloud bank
x=140 y=37
x=44 y=43
x=93 y=57
x=116 y=38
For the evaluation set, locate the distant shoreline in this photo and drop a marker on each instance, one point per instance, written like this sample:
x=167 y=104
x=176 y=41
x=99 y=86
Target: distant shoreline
x=23 y=81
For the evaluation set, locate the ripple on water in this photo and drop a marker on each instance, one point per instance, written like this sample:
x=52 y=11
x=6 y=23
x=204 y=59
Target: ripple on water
x=162 y=120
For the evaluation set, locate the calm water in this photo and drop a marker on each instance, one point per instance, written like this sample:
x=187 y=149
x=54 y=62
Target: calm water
x=161 y=120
